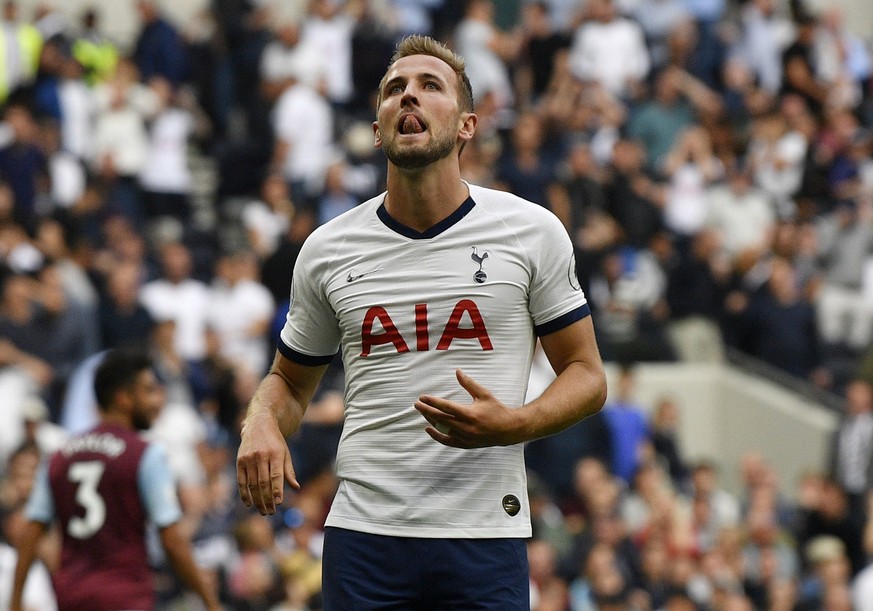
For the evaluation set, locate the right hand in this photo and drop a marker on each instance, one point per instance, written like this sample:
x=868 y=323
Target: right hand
x=263 y=464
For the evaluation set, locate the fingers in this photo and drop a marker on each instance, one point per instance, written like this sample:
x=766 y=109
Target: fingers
x=260 y=481
x=290 y=475
x=242 y=484
x=476 y=390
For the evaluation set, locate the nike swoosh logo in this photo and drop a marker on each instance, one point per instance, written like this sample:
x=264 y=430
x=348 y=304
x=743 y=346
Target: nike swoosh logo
x=353 y=276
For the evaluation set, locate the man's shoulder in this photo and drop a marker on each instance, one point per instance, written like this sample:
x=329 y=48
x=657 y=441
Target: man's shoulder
x=488 y=197
x=354 y=219
x=509 y=207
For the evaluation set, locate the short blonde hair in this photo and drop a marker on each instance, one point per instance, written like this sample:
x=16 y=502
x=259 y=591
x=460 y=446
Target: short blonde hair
x=425 y=45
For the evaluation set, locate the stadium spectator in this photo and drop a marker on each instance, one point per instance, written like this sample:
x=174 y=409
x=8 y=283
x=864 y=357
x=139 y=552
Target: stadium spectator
x=633 y=198
x=179 y=297
x=240 y=310
x=742 y=214
x=698 y=280
x=37 y=593
x=327 y=30
x=165 y=177
x=658 y=123
x=764 y=34
x=527 y=165
x=22 y=163
x=303 y=124
x=487 y=50
x=609 y=50
x=691 y=167
x=777 y=153
x=336 y=197
x=658 y=20
x=780 y=324
x=124 y=321
x=543 y=44
x=628 y=427
x=25 y=43
x=852 y=446
x=121 y=138
x=286 y=59
x=160 y=50
x=266 y=219
x=664 y=421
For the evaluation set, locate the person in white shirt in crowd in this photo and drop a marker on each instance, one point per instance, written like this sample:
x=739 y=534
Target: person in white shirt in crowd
x=327 y=29
x=165 y=176
x=842 y=59
x=763 y=36
x=75 y=100
x=777 y=154
x=177 y=296
x=692 y=167
x=487 y=50
x=265 y=220
x=284 y=57
x=120 y=139
x=742 y=214
x=845 y=239
x=240 y=312
x=609 y=50
x=36 y=427
x=66 y=171
x=303 y=124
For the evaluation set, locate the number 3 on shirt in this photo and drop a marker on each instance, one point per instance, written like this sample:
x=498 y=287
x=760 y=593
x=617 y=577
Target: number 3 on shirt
x=87 y=475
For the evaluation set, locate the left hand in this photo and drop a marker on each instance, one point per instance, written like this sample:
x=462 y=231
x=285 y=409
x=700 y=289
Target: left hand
x=482 y=423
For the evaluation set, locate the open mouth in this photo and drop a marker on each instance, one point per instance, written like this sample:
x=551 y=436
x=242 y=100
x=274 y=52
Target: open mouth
x=410 y=124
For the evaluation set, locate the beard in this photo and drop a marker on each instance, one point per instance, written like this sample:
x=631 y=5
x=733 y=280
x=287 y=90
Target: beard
x=440 y=146
x=141 y=421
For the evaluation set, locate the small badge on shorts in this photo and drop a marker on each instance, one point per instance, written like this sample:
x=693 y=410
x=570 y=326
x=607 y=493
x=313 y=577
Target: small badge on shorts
x=511 y=504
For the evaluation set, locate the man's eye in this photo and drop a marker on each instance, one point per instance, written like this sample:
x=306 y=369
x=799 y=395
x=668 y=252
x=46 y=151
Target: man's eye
x=431 y=85
x=395 y=89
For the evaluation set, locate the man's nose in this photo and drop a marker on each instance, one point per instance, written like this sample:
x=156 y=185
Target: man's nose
x=410 y=94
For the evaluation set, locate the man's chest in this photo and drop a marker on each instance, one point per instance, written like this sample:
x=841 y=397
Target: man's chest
x=419 y=296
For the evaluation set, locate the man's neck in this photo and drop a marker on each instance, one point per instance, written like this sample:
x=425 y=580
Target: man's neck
x=116 y=418
x=421 y=199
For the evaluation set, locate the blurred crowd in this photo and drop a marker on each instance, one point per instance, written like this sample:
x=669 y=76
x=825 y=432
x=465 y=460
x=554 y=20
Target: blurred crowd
x=712 y=161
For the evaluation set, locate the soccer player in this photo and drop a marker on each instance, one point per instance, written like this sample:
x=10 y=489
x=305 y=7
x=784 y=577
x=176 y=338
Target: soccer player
x=102 y=487
x=435 y=292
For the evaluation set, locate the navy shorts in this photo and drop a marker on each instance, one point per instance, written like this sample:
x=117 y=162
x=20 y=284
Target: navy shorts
x=364 y=571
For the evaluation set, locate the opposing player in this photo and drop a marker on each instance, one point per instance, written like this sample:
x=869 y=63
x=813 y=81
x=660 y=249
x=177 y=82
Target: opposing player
x=102 y=488
x=435 y=291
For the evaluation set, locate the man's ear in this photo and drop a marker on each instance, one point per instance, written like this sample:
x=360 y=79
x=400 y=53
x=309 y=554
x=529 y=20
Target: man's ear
x=468 y=126
x=377 y=135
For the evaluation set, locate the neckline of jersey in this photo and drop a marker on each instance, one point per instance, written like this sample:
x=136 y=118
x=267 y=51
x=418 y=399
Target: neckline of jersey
x=431 y=232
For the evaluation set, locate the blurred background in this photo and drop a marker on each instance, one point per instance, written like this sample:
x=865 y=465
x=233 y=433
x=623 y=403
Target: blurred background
x=712 y=160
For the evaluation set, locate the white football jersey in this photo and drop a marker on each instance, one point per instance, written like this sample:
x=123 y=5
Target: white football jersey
x=407 y=310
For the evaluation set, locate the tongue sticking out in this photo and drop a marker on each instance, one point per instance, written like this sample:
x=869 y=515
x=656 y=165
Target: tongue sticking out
x=411 y=125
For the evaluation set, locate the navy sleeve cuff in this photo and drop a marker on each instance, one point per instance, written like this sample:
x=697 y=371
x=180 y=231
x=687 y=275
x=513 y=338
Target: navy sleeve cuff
x=565 y=320
x=303 y=359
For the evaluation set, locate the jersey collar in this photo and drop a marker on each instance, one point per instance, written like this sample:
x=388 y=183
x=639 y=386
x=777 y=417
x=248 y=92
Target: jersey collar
x=431 y=232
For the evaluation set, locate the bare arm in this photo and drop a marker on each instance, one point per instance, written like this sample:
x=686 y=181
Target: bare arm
x=275 y=411
x=578 y=391
x=28 y=541
x=178 y=549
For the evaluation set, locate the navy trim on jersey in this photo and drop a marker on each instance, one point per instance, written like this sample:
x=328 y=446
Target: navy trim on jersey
x=562 y=321
x=303 y=359
x=430 y=232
